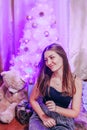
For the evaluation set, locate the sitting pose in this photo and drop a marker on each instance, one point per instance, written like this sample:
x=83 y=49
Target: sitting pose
x=56 y=96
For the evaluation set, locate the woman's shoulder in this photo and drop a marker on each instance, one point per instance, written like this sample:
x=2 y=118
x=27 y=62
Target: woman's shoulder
x=76 y=78
x=78 y=82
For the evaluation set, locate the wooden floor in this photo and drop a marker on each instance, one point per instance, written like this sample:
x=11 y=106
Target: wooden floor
x=14 y=125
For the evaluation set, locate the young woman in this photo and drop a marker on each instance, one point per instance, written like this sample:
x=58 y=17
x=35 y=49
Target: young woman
x=56 y=97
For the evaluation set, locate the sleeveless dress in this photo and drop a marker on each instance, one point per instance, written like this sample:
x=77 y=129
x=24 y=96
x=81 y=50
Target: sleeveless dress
x=62 y=122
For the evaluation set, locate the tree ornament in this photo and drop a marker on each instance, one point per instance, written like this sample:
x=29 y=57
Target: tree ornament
x=26 y=49
x=34 y=25
x=29 y=17
x=26 y=41
x=46 y=33
x=41 y=14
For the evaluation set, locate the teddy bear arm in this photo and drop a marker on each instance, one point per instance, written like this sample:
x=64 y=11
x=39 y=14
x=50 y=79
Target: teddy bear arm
x=8 y=115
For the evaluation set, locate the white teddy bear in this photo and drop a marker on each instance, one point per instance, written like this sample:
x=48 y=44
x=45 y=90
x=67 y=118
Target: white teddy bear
x=12 y=91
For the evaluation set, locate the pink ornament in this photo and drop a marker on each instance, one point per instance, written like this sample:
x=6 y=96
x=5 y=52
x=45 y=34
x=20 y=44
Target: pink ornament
x=29 y=17
x=41 y=14
x=46 y=33
x=26 y=41
x=26 y=49
x=36 y=65
x=34 y=25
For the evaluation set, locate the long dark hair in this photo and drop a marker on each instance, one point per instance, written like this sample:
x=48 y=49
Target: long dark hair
x=68 y=85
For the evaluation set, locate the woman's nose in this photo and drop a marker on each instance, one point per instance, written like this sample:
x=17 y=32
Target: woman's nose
x=48 y=62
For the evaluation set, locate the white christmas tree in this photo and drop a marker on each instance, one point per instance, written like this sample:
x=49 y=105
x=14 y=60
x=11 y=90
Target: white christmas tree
x=40 y=30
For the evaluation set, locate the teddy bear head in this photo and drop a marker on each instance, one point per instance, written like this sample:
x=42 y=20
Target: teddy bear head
x=12 y=80
x=14 y=84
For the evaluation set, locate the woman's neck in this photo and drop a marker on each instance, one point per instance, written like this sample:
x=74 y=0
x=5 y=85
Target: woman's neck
x=58 y=73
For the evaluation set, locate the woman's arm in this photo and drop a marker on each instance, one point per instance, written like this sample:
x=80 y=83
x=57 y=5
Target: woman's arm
x=33 y=101
x=47 y=121
x=75 y=106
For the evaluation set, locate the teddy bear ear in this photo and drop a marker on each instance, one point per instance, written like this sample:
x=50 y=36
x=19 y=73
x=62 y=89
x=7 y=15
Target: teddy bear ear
x=3 y=73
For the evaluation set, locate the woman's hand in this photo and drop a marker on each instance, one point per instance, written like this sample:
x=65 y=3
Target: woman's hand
x=48 y=121
x=51 y=105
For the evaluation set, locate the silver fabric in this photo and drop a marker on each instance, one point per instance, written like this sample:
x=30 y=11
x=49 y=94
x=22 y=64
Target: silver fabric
x=62 y=122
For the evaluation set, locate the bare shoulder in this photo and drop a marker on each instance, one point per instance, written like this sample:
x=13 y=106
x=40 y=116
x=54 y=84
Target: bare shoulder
x=78 y=83
x=78 y=80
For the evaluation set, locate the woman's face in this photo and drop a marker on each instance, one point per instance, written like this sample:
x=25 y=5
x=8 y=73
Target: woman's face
x=53 y=60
